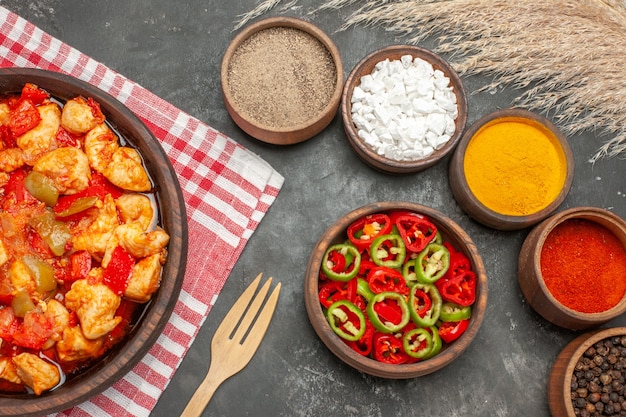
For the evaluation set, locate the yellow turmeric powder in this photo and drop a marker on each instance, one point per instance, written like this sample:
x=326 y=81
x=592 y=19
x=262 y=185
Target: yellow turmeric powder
x=515 y=166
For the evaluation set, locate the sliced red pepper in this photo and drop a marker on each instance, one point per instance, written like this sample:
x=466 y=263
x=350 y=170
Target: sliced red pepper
x=381 y=279
x=65 y=138
x=388 y=349
x=458 y=262
x=449 y=331
x=424 y=304
x=80 y=265
x=126 y=311
x=23 y=117
x=35 y=94
x=365 y=267
x=6 y=137
x=33 y=332
x=388 y=312
x=333 y=291
x=118 y=271
x=15 y=186
x=416 y=232
x=363 y=346
x=363 y=231
x=459 y=289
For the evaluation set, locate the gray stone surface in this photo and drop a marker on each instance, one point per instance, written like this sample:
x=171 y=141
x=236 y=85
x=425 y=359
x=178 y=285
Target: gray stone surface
x=174 y=49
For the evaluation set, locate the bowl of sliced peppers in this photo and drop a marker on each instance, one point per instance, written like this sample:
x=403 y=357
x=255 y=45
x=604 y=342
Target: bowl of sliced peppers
x=396 y=289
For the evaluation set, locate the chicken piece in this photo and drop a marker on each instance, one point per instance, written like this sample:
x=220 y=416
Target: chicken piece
x=100 y=145
x=56 y=313
x=136 y=208
x=126 y=171
x=78 y=116
x=68 y=167
x=145 y=279
x=73 y=346
x=95 y=305
x=42 y=138
x=94 y=237
x=21 y=278
x=136 y=241
x=4 y=255
x=5 y=110
x=11 y=159
x=8 y=371
x=36 y=373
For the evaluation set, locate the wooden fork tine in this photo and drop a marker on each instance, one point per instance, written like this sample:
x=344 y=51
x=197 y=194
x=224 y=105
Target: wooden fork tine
x=232 y=317
x=262 y=323
x=252 y=311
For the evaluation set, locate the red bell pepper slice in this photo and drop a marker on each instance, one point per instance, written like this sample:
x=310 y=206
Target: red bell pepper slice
x=118 y=271
x=363 y=231
x=388 y=349
x=459 y=289
x=65 y=138
x=6 y=137
x=23 y=117
x=80 y=265
x=364 y=345
x=449 y=331
x=333 y=291
x=423 y=303
x=35 y=94
x=381 y=279
x=416 y=232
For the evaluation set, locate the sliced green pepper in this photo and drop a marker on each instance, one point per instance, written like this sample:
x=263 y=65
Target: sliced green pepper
x=437 y=342
x=341 y=262
x=363 y=289
x=388 y=312
x=388 y=250
x=346 y=320
x=418 y=343
x=424 y=304
x=54 y=232
x=42 y=271
x=408 y=272
x=454 y=312
x=432 y=263
x=42 y=188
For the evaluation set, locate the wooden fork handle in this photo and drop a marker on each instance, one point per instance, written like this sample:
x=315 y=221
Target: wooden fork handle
x=202 y=396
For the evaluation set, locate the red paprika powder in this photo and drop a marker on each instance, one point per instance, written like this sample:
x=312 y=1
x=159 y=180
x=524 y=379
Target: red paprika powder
x=584 y=266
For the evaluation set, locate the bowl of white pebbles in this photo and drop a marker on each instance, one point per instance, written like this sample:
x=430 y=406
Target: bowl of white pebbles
x=403 y=108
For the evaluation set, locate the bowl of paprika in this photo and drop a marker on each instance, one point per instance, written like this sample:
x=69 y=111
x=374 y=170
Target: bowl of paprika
x=511 y=169
x=572 y=268
x=396 y=289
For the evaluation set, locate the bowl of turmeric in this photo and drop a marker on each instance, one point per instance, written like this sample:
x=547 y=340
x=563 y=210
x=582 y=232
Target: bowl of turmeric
x=555 y=262
x=511 y=169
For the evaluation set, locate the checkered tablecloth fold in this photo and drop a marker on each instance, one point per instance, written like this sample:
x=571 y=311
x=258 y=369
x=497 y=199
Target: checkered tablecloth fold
x=227 y=191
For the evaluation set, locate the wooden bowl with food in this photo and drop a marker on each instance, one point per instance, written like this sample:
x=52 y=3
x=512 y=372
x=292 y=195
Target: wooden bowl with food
x=281 y=80
x=511 y=169
x=395 y=289
x=572 y=267
x=403 y=109
x=94 y=241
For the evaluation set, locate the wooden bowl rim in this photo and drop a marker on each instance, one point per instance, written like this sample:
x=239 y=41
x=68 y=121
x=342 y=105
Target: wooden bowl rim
x=558 y=388
x=492 y=218
x=123 y=357
x=371 y=366
x=289 y=134
x=365 y=66
x=598 y=215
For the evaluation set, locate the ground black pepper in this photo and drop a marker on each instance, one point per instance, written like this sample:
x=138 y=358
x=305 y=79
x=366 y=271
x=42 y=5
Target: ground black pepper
x=281 y=77
x=597 y=387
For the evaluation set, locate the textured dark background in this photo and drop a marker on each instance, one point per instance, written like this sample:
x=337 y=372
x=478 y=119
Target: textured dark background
x=175 y=49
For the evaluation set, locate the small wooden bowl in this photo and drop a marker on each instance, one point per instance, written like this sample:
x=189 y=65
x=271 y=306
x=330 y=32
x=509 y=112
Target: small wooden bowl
x=531 y=281
x=365 y=67
x=451 y=232
x=124 y=356
x=287 y=133
x=479 y=211
x=559 y=381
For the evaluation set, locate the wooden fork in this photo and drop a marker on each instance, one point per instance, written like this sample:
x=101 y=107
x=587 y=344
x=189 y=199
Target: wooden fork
x=231 y=353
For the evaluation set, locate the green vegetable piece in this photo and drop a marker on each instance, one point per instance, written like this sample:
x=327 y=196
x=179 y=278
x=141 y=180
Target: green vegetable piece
x=342 y=315
x=22 y=304
x=432 y=263
x=54 y=232
x=80 y=205
x=43 y=273
x=42 y=188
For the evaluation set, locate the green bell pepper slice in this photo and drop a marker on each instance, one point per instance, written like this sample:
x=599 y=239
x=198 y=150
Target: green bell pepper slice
x=346 y=320
x=388 y=312
x=418 y=343
x=341 y=262
x=424 y=304
x=432 y=263
x=388 y=250
x=454 y=312
x=363 y=289
x=437 y=342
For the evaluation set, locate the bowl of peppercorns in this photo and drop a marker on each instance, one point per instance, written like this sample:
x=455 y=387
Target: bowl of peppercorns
x=588 y=377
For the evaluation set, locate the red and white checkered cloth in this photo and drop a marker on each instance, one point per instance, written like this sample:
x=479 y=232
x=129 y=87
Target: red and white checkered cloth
x=227 y=190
